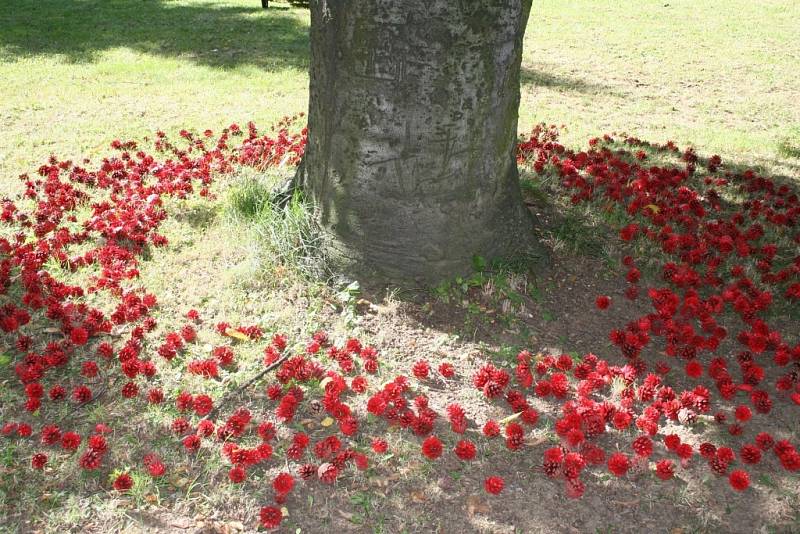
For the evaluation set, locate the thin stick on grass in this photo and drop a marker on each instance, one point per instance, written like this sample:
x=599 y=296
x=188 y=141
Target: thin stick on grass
x=246 y=385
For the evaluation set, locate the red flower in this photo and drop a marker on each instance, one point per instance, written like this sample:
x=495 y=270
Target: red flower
x=327 y=473
x=359 y=384
x=130 y=390
x=205 y=428
x=202 y=405
x=530 y=416
x=432 y=447
x=764 y=441
x=155 y=396
x=371 y=365
x=739 y=480
x=89 y=369
x=672 y=441
x=123 y=482
x=694 y=369
x=50 y=434
x=79 y=336
x=421 y=369
x=629 y=232
x=82 y=394
x=283 y=483
x=750 y=454
x=91 y=459
x=684 y=451
x=491 y=429
x=743 y=413
x=494 y=485
x=271 y=517
x=465 y=450
x=39 y=460
x=574 y=437
x=602 y=302
x=379 y=445
x=237 y=474
x=618 y=464
x=70 y=441
x=191 y=443
x=447 y=370
x=643 y=446
x=155 y=467
x=665 y=469
x=266 y=431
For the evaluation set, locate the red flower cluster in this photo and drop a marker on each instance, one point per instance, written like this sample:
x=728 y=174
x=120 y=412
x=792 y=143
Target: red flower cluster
x=717 y=262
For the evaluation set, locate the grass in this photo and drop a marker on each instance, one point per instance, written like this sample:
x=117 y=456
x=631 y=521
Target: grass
x=79 y=74
x=721 y=76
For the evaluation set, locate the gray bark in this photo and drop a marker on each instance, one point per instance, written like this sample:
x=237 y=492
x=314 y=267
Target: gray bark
x=412 y=134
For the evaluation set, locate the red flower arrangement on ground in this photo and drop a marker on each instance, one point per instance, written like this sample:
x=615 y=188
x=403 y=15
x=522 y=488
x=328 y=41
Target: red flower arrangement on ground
x=715 y=262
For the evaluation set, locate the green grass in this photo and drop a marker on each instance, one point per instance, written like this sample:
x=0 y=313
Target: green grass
x=720 y=75
x=78 y=74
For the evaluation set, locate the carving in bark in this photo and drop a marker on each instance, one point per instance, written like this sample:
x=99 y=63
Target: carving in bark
x=412 y=134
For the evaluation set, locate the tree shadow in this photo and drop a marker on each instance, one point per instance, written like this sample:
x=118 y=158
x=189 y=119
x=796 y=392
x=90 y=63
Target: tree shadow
x=540 y=78
x=221 y=35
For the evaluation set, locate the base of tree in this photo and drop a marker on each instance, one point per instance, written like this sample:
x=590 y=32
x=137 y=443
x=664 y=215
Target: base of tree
x=513 y=242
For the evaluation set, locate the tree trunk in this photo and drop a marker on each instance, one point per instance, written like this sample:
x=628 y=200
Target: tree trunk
x=412 y=132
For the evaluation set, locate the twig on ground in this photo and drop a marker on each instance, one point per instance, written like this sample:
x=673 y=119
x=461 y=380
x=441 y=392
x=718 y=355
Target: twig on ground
x=246 y=385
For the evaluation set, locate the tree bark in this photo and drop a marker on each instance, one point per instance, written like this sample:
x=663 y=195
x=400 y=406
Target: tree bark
x=412 y=131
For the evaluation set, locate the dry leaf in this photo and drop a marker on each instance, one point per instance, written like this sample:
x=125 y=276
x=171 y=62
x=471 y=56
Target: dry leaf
x=476 y=505
x=230 y=332
x=346 y=515
x=510 y=418
x=538 y=441
x=418 y=496
x=328 y=421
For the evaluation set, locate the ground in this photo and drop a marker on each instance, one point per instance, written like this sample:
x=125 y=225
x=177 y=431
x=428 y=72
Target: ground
x=77 y=76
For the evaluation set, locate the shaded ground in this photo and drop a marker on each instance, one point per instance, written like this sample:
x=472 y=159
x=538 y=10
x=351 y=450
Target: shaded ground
x=223 y=275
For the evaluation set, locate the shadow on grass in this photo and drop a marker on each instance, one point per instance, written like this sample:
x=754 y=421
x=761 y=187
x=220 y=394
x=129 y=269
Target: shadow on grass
x=540 y=78
x=215 y=34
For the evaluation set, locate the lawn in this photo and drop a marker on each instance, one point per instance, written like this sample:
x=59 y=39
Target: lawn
x=77 y=75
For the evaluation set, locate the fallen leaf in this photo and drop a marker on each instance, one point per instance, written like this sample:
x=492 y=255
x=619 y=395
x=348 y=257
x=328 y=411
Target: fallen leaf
x=230 y=332
x=510 y=418
x=538 y=441
x=476 y=505
x=418 y=496
x=346 y=515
